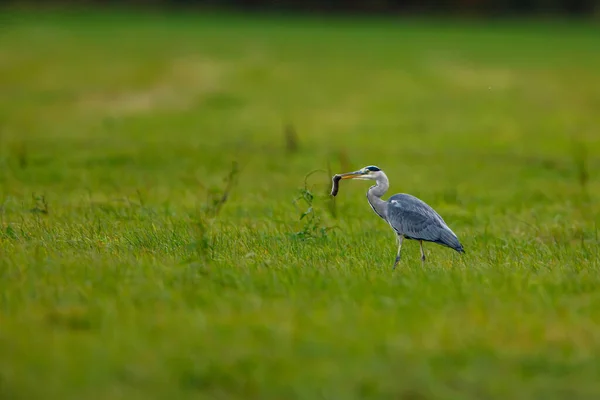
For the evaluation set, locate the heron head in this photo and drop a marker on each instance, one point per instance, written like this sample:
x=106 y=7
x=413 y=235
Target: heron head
x=369 y=172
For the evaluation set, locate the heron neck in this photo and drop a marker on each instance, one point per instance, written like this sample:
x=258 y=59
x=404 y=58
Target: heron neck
x=374 y=195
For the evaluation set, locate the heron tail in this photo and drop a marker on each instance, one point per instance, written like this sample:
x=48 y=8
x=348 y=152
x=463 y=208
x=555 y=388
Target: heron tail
x=448 y=238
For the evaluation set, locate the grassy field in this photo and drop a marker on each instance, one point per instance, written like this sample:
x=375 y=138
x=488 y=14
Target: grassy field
x=123 y=275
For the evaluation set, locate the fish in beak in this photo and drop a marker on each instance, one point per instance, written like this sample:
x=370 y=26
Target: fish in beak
x=348 y=175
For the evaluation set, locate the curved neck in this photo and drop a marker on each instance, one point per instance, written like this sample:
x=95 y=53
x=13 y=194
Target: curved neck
x=375 y=193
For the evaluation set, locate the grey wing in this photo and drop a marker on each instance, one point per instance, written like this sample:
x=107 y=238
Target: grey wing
x=415 y=219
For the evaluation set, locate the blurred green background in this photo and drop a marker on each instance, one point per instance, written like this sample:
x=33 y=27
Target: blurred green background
x=166 y=228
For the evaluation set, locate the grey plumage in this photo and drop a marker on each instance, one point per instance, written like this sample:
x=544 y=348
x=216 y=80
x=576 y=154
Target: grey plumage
x=415 y=219
x=410 y=217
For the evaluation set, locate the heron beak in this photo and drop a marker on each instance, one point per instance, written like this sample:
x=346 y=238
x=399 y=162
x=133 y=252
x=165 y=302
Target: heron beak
x=350 y=175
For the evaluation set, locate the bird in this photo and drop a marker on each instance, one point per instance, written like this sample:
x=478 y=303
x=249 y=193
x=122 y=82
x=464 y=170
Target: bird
x=410 y=217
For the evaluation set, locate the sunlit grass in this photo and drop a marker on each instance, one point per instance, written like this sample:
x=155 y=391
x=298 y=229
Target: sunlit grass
x=126 y=272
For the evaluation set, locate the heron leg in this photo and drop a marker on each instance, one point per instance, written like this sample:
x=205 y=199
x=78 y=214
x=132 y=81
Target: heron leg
x=422 y=251
x=399 y=239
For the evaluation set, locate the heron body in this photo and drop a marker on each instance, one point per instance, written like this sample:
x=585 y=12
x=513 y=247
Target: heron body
x=409 y=217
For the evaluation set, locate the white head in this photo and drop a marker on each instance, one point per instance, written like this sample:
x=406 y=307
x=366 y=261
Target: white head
x=368 y=173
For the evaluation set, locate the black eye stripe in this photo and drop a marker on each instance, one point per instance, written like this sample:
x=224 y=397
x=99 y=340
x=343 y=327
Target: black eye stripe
x=373 y=168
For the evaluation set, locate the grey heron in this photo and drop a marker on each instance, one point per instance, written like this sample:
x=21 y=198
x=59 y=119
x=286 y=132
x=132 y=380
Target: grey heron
x=410 y=217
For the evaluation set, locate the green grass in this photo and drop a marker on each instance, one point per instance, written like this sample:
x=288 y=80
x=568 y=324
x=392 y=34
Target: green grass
x=118 y=281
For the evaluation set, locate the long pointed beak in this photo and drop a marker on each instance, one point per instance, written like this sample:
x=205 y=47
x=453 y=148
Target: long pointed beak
x=350 y=175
